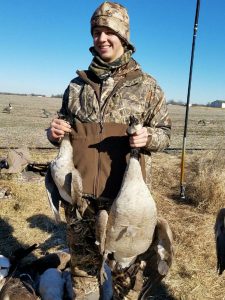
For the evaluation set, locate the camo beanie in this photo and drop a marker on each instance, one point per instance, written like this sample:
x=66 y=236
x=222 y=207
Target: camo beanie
x=115 y=17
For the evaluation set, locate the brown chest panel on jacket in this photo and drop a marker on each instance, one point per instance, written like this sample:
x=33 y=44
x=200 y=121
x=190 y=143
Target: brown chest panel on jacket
x=101 y=157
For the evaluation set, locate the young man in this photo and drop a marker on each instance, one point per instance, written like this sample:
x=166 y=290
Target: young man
x=100 y=101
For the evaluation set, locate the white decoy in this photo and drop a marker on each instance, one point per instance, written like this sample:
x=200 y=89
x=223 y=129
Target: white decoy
x=8 y=108
x=220 y=240
x=63 y=181
x=129 y=228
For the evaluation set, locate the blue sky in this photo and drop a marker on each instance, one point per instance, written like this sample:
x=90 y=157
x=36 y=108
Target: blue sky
x=44 y=42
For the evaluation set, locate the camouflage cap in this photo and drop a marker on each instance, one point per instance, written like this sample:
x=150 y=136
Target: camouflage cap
x=115 y=17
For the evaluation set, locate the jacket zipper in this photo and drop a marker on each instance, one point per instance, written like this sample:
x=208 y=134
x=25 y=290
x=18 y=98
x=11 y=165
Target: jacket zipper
x=96 y=185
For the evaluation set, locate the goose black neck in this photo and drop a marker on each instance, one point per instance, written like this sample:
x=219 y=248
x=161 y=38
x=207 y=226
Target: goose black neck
x=135 y=153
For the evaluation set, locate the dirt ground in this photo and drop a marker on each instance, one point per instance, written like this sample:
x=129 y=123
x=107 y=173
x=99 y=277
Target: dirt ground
x=26 y=218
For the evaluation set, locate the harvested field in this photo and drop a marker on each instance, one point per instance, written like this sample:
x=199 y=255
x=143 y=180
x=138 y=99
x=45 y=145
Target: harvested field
x=25 y=218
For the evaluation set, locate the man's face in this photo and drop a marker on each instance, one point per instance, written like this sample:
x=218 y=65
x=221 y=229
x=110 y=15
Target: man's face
x=107 y=43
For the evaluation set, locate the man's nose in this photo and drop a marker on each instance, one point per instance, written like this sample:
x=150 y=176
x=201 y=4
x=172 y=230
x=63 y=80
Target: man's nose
x=102 y=36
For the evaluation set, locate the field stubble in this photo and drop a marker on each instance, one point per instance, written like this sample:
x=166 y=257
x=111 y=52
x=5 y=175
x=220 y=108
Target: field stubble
x=26 y=218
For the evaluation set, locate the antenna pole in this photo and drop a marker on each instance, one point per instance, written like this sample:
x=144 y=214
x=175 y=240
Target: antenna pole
x=182 y=187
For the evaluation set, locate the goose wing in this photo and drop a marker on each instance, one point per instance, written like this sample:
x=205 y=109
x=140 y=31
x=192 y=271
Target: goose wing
x=220 y=240
x=53 y=195
x=100 y=229
x=76 y=188
x=158 y=258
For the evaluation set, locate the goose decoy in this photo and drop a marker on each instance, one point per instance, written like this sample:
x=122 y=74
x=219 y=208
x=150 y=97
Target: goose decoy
x=128 y=229
x=63 y=181
x=46 y=113
x=8 y=108
x=220 y=240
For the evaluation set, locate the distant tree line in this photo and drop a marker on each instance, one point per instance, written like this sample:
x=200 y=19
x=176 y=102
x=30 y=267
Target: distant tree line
x=57 y=96
x=181 y=103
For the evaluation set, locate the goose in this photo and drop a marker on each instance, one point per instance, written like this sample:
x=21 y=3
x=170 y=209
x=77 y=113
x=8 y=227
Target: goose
x=19 y=288
x=220 y=240
x=63 y=181
x=24 y=281
x=158 y=258
x=46 y=113
x=127 y=231
x=8 y=108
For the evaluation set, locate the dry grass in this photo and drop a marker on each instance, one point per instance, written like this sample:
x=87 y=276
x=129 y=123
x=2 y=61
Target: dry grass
x=205 y=185
x=26 y=217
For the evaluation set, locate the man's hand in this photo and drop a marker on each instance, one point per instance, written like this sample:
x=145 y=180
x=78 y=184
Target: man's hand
x=139 y=139
x=57 y=130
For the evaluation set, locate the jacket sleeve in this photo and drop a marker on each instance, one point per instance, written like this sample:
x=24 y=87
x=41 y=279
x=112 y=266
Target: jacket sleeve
x=64 y=108
x=157 y=121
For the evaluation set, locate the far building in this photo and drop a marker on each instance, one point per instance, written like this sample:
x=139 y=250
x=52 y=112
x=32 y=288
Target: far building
x=218 y=103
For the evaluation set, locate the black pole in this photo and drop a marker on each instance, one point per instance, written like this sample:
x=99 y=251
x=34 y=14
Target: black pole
x=182 y=187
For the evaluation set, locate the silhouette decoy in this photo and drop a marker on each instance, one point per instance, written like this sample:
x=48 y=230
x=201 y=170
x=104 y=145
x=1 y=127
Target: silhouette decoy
x=8 y=108
x=46 y=113
x=220 y=240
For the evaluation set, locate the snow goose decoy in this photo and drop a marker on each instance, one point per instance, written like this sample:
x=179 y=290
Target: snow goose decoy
x=220 y=240
x=128 y=229
x=63 y=181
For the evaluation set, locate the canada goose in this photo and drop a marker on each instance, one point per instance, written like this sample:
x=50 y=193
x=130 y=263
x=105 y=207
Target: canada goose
x=58 y=260
x=128 y=229
x=63 y=180
x=8 y=108
x=220 y=240
x=18 y=289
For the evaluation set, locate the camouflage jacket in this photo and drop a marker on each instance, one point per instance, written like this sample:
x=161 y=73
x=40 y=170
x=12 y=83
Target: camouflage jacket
x=129 y=91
